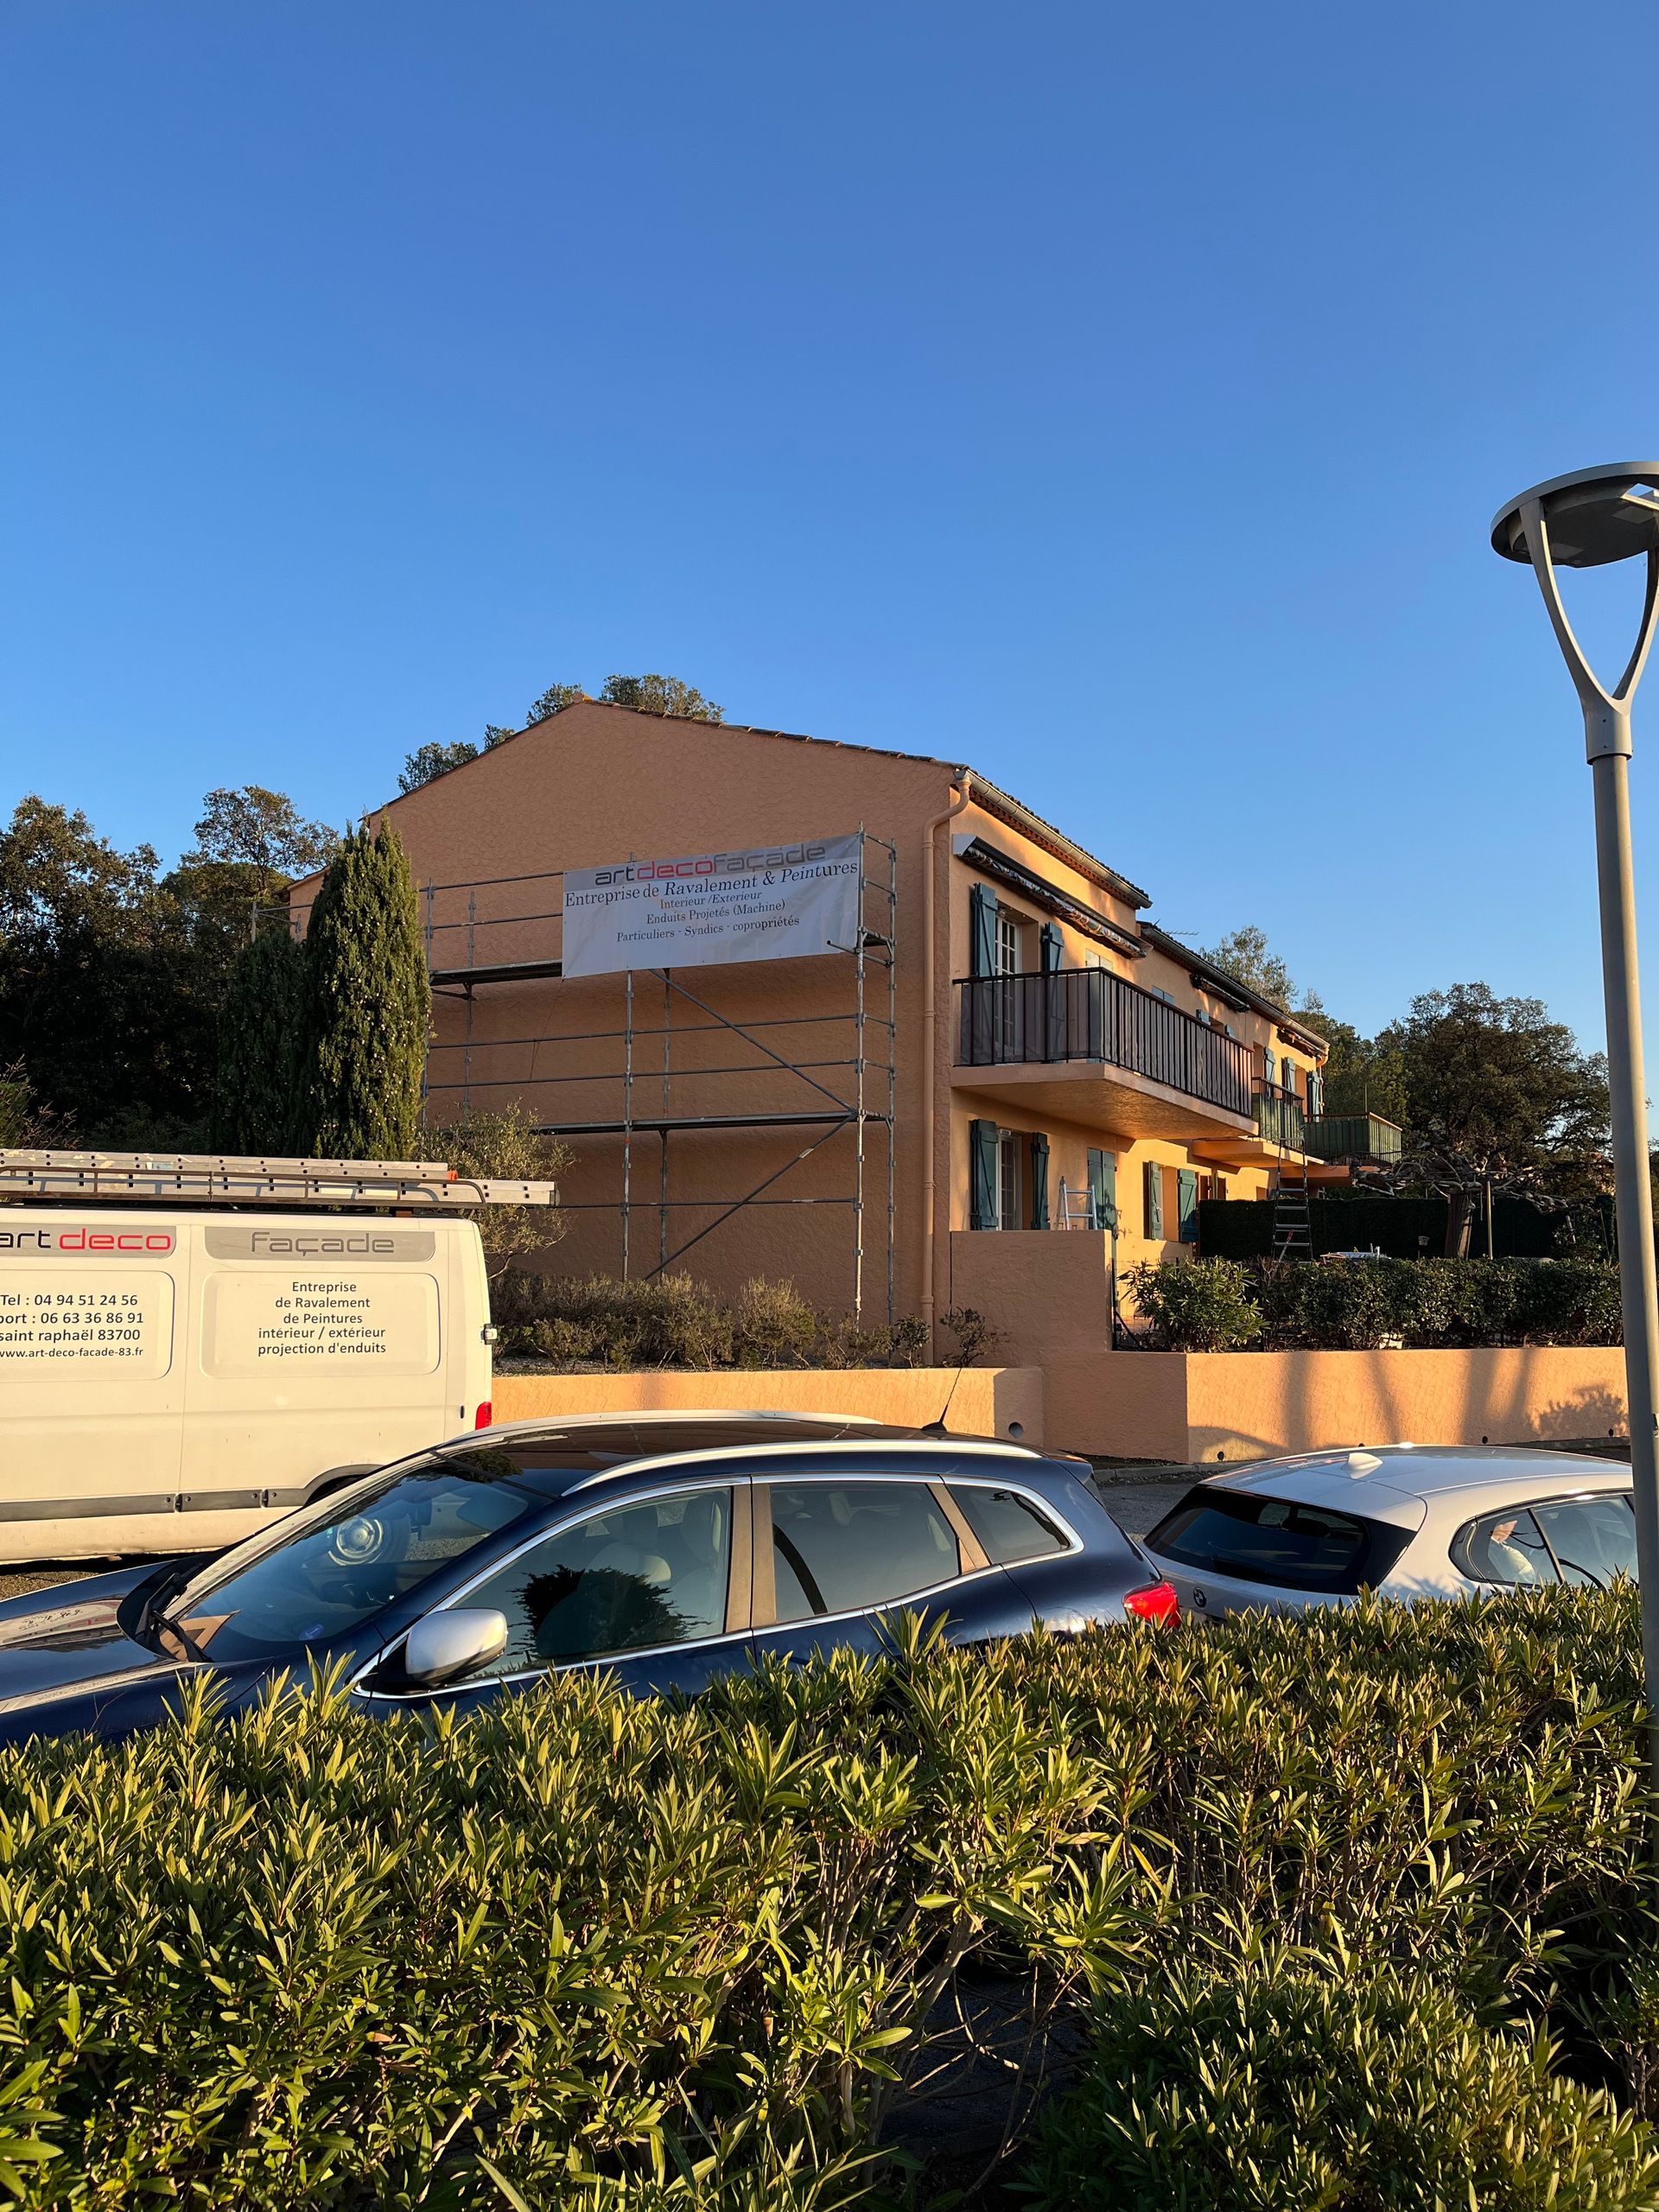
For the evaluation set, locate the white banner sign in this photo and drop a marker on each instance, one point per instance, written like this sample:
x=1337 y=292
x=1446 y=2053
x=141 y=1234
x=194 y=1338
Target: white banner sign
x=764 y=902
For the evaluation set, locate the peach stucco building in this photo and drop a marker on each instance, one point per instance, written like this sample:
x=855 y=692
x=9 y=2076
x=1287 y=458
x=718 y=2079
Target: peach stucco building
x=1054 y=1058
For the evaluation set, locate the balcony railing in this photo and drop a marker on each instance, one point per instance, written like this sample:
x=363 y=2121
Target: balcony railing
x=1087 y=1013
x=1280 y=1119
x=1365 y=1137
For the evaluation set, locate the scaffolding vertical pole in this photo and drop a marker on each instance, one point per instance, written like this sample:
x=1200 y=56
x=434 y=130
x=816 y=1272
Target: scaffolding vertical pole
x=466 y=1056
x=893 y=1054
x=426 y=1058
x=627 y=1117
x=662 y=1195
x=858 y=1096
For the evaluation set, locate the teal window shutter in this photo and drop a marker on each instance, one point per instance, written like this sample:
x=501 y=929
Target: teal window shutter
x=1053 y=949
x=982 y=1138
x=1186 y=1206
x=982 y=916
x=1315 y=1092
x=1269 y=1068
x=1154 y=1181
x=1039 y=1181
x=1103 y=1189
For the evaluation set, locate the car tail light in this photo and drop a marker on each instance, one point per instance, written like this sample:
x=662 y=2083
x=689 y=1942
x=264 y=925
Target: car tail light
x=1158 y=1602
x=487 y=1414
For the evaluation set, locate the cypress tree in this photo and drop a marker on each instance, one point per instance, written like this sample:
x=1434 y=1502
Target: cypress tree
x=254 y=1089
x=368 y=1006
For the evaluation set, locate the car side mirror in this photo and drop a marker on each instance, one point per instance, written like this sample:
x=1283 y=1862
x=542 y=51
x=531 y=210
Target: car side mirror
x=448 y=1645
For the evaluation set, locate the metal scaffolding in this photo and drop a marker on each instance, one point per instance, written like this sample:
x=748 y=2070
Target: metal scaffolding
x=471 y=948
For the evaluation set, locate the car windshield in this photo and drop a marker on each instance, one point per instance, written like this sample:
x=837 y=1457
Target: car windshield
x=321 y=1581
x=1275 y=1539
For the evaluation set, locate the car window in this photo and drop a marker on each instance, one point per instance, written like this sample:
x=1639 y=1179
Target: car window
x=1593 y=1538
x=631 y=1579
x=326 y=1579
x=1009 y=1529
x=1274 y=1540
x=838 y=1547
x=1505 y=1548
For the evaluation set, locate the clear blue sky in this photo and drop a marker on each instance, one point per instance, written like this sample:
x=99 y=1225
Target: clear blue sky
x=1116 y=399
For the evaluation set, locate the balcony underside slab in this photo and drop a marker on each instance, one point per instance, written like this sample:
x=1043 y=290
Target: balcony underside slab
x=1099 y=1096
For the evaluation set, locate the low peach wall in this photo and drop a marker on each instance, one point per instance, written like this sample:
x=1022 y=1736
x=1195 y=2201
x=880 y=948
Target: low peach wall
x=1045 y=1295
x=982 y=1401
x=1193 y=1406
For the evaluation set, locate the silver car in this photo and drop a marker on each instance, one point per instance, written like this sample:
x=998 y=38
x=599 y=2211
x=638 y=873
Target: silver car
x=1406 y=1522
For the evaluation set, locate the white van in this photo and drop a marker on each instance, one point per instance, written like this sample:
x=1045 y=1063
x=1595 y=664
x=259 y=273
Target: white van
x=171 y=1380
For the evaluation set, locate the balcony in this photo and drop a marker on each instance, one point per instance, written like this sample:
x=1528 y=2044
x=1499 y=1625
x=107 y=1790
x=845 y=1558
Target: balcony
x=1086 y=1044
x=1366 y=1139
x=1279 y=1119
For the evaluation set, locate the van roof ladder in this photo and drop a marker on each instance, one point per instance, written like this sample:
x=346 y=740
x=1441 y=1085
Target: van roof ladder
x=170 y=1178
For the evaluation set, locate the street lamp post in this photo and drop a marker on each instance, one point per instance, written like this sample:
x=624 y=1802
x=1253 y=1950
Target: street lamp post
x=1584 y=521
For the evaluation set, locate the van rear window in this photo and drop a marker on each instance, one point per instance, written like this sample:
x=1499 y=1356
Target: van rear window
x=1273 y=1540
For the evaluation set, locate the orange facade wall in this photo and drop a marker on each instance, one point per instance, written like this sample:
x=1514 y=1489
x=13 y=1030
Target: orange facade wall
x=1004 y=1401
x=1190 y=1407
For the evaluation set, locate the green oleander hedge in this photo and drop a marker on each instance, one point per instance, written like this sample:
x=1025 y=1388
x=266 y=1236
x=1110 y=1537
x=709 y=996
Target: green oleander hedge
x=1364 y=1305
x=1290 y=2089
x=584 y=1951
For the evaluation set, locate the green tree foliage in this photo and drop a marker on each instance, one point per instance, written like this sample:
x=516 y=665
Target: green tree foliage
x=368 y=1006
x=107 y=996
x=433 y=760
x=504 y=1144
x=649 y=695
x=24 y=1124
x=1245 y=953
x=1362 y=1075
x=255 y=1092
x=661 y=695
x=251 y=844
x=549 y=703
x=1497 y=1096
x=1496 y=1082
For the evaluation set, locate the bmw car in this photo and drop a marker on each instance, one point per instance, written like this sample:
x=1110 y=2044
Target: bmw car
x=663 y=1552
x=1406 y=1521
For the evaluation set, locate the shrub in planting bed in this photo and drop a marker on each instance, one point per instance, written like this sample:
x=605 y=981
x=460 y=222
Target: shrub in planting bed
x=584 y=1951
x=1367 y=1304
x=672 y=1321
x=1294 y=2092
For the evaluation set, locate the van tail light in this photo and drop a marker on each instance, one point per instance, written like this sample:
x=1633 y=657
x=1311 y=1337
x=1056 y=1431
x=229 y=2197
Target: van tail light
x=1158 y=1602
x=487 y=1414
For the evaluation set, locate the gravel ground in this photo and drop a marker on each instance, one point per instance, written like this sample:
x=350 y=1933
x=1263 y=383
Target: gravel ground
x=14 y=1581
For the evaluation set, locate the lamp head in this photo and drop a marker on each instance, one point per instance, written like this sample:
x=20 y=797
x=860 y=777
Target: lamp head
x=1593 y=516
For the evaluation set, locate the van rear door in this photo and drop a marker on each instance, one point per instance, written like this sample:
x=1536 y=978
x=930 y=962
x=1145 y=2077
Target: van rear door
x=320 y=1345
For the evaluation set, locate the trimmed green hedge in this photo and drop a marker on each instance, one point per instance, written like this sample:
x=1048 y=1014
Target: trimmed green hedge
x=673 y=1320
x=1364 y=1305
x=1289 y=2089
x=597 y=1952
